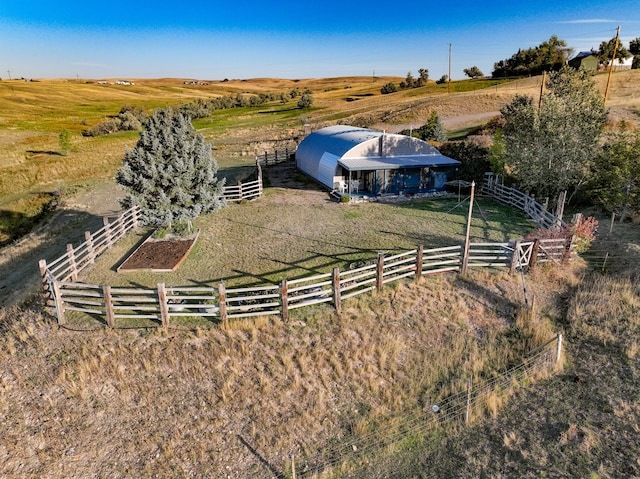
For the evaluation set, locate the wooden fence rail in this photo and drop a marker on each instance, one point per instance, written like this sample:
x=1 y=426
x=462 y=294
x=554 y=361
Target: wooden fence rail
x=245 y=191
x=68 y=266
x=115 y=306
x=277 y=156
x=523 y=202
x=161 y=306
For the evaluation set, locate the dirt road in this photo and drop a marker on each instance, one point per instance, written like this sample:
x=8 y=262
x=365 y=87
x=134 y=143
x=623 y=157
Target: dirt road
x=19 y=273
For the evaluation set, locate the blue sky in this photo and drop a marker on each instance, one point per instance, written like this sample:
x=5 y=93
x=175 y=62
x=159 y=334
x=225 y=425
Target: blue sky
x=248 y=39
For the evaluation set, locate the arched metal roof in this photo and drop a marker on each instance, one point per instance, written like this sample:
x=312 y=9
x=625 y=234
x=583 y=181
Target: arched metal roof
x=353 y=148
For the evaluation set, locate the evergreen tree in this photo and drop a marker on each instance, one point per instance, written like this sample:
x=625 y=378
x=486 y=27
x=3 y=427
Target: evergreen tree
x=423 y=76
x=433 y=130
x=606 y=49
x=551 y=149
x=634 y=49
x=388 y=88
x=170 y=173
x=550 y=55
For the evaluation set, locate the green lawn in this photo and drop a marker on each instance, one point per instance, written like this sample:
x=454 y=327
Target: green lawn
x=291 y=234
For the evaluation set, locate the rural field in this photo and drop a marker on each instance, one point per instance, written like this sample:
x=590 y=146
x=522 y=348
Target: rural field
x=244 y=398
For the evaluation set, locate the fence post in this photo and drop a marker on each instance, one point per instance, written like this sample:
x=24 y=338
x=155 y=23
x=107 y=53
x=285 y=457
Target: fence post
x=88 y=237
x=572 y=244
x=134 y=216
x=467 y=415
x=465 y=255
x=121 y=230
x=284 y=297
x=57 y=297
x=380 y=272
x=419 y=260
x=108 y=305
x=534 y=253
x=222 y=302
x=559 y=348
x=42 y=264
x=337 y=300
x=72 y=262
x=107 y=231
x=164 y=306
x=515 y=258
x=240 y=191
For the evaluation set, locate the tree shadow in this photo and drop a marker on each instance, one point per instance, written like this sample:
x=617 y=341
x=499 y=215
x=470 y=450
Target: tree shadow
x=19 y=271
x=272 y=469
x=45 y=152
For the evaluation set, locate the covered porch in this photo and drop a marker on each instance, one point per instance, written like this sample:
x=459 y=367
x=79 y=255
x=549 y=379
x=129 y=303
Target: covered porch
x=393 y=176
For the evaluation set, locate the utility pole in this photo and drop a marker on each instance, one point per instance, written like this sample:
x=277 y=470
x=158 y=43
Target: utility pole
x=9 y=72
x=613 y=59
x=449 y=82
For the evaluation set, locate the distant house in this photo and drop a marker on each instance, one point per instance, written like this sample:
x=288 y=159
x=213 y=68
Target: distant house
x=361 y=161
x=586 y=61
x=620 y=64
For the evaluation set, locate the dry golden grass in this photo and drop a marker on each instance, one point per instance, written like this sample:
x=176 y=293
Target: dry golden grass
x=207 y=403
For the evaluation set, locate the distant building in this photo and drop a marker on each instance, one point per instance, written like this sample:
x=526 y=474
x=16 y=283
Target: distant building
x=620 y=64
x=354 y=160
x=585 y=60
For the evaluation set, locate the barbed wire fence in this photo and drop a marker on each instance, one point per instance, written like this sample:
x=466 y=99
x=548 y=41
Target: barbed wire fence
x=357 y=452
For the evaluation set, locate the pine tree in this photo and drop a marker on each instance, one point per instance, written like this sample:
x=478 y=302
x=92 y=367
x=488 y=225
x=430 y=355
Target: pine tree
x=171 y=173
x=433 y=129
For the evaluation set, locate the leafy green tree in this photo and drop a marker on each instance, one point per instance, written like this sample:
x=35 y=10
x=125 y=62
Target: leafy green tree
x=409 y=81
x=552 y=148
x=496 y=154
x=442 y=79
x=170 y=173
x=423 y=76
x=473 y=72
x=64 y=140
x=550 y=55
x=305 y=101
x=605 y=51
x=616 y=183
x=634 y=49
x=474 y=159
x=432 y=130
x=388 y=88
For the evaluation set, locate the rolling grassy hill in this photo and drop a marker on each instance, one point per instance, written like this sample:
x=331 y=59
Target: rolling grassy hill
x=238 y=401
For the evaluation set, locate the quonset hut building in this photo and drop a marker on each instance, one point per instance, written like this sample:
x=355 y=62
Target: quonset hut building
x=361 y=161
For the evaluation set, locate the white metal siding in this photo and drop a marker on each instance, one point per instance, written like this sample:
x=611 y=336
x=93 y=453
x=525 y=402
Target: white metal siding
x=327 y=168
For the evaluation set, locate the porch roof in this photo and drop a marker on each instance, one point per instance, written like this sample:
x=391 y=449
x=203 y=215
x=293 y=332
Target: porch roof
x=396 y=162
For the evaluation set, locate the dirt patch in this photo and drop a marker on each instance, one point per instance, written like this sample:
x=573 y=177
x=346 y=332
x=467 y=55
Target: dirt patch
x=159 y=255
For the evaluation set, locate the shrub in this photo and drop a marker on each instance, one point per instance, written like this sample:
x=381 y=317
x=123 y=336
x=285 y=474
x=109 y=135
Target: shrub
x=388 y=88
x=584 y=229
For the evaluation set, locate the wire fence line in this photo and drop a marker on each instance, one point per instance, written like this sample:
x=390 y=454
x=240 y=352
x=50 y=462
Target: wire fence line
x=459 y=408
